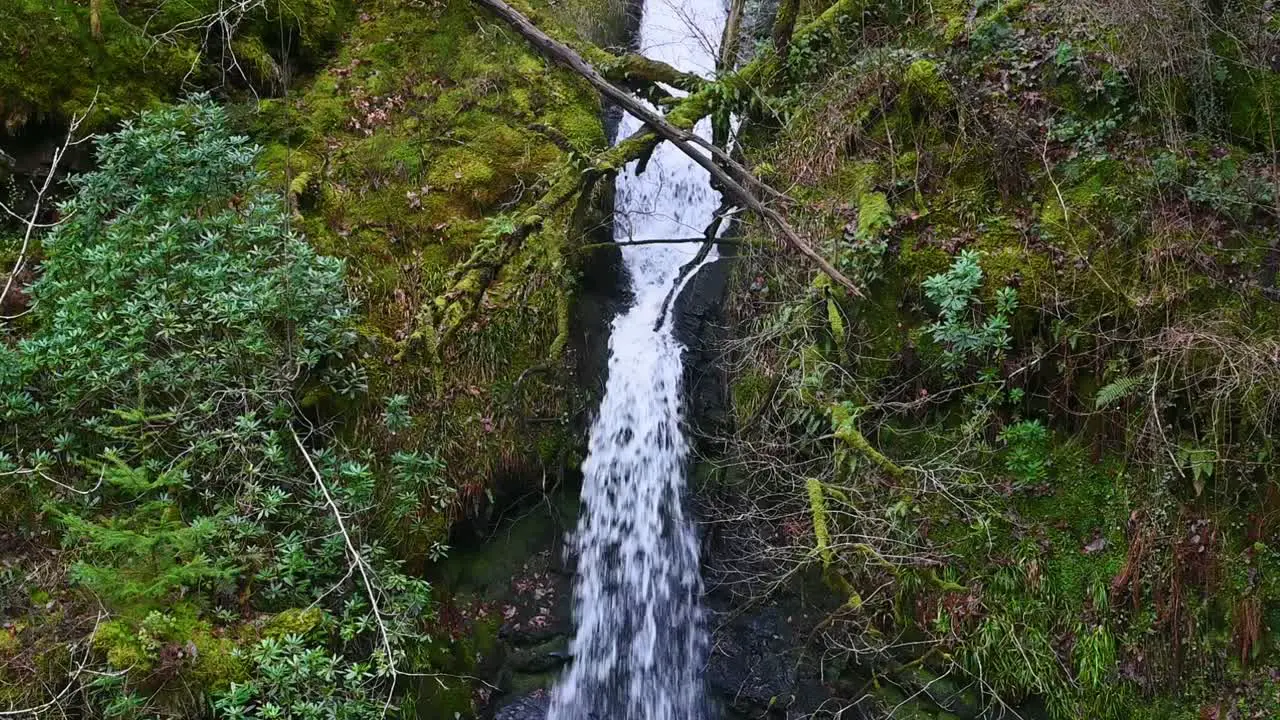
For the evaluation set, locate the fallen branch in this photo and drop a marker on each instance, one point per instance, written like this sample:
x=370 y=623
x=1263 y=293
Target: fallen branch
x=684 y=139
x=360 y=564
x=664 y=241
x=711 y=235
x=634 y=66
x=459 y=304
x=845 y=427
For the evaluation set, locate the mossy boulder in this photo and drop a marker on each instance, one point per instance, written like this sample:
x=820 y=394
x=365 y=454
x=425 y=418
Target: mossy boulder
x=924 y=84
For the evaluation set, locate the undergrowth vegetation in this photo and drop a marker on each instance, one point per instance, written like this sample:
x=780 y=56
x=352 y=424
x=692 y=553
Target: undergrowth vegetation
x=165 y=419
x=267 y=353
x=1042 y=444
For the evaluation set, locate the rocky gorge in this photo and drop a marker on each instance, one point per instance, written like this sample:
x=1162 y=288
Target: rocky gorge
x=306 y=325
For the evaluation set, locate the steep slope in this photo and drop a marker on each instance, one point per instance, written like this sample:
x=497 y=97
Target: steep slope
x=1035 y=461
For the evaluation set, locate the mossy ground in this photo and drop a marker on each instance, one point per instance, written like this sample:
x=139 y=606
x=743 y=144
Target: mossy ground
x=405 y=146
x=54 y=66
x=1120 y=585
x=407 y=156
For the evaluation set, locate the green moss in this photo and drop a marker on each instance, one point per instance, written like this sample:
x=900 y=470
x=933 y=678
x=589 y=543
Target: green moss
x=9 y=644
x=924 y=85
x=580 y=124
x=918 y=260
x=462 y=169
x=138 y=647
x=882 y=334
x=429 y=123
x=52 y=66
x=750 y=393
x=852 y=179
x=217 y=664
x=874 y=215
x=294 y=621
x=951 y=17
x=444 y=698
x=123 y=647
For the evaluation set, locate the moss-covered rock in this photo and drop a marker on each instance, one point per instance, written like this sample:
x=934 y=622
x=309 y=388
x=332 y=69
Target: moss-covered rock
x=408 y=157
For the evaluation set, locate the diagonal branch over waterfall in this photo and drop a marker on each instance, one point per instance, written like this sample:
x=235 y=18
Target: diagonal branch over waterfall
x=731 y=176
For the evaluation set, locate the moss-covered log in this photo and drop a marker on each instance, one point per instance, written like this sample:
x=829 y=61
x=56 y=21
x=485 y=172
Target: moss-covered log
x=635 y=67
x=683 y=138
x=845 y=429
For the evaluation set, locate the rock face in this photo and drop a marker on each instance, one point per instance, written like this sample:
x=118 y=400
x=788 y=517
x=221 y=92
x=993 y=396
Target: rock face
x=758 y=668
x=699 y=326
x=532 y=706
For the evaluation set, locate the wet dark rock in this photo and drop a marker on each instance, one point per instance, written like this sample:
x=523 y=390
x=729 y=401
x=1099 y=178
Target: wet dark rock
x=699 y=326
x=754 y=666
x=759 y=665
x=531 y=706
x=548 y=656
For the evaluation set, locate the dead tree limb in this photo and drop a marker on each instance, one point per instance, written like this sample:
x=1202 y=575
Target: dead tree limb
x=662 y=241
x=684 y=139
x=359 y=563
x=711 y=236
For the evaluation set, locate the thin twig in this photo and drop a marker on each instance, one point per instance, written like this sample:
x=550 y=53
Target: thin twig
x=32 y=222
x=358 y=560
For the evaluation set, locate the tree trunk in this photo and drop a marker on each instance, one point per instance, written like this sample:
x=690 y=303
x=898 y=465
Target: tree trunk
x=784 y=24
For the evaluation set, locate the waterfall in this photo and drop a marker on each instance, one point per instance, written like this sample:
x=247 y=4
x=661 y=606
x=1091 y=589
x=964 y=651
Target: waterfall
x=640 y=642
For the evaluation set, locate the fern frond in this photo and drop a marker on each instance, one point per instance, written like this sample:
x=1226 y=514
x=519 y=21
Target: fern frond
x=1115 y=391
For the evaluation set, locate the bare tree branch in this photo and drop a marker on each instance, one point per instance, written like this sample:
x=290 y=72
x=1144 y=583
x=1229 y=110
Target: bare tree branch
x=32 y=221
x=360 y=564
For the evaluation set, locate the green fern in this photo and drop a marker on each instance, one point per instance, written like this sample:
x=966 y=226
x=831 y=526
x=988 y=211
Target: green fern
x=1117 y=390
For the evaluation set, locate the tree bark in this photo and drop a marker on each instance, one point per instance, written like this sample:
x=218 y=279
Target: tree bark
x=684 y=139
x=784 y=24
x=728 y=59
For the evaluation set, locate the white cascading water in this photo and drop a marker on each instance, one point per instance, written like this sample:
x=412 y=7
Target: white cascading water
x=641 y=643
